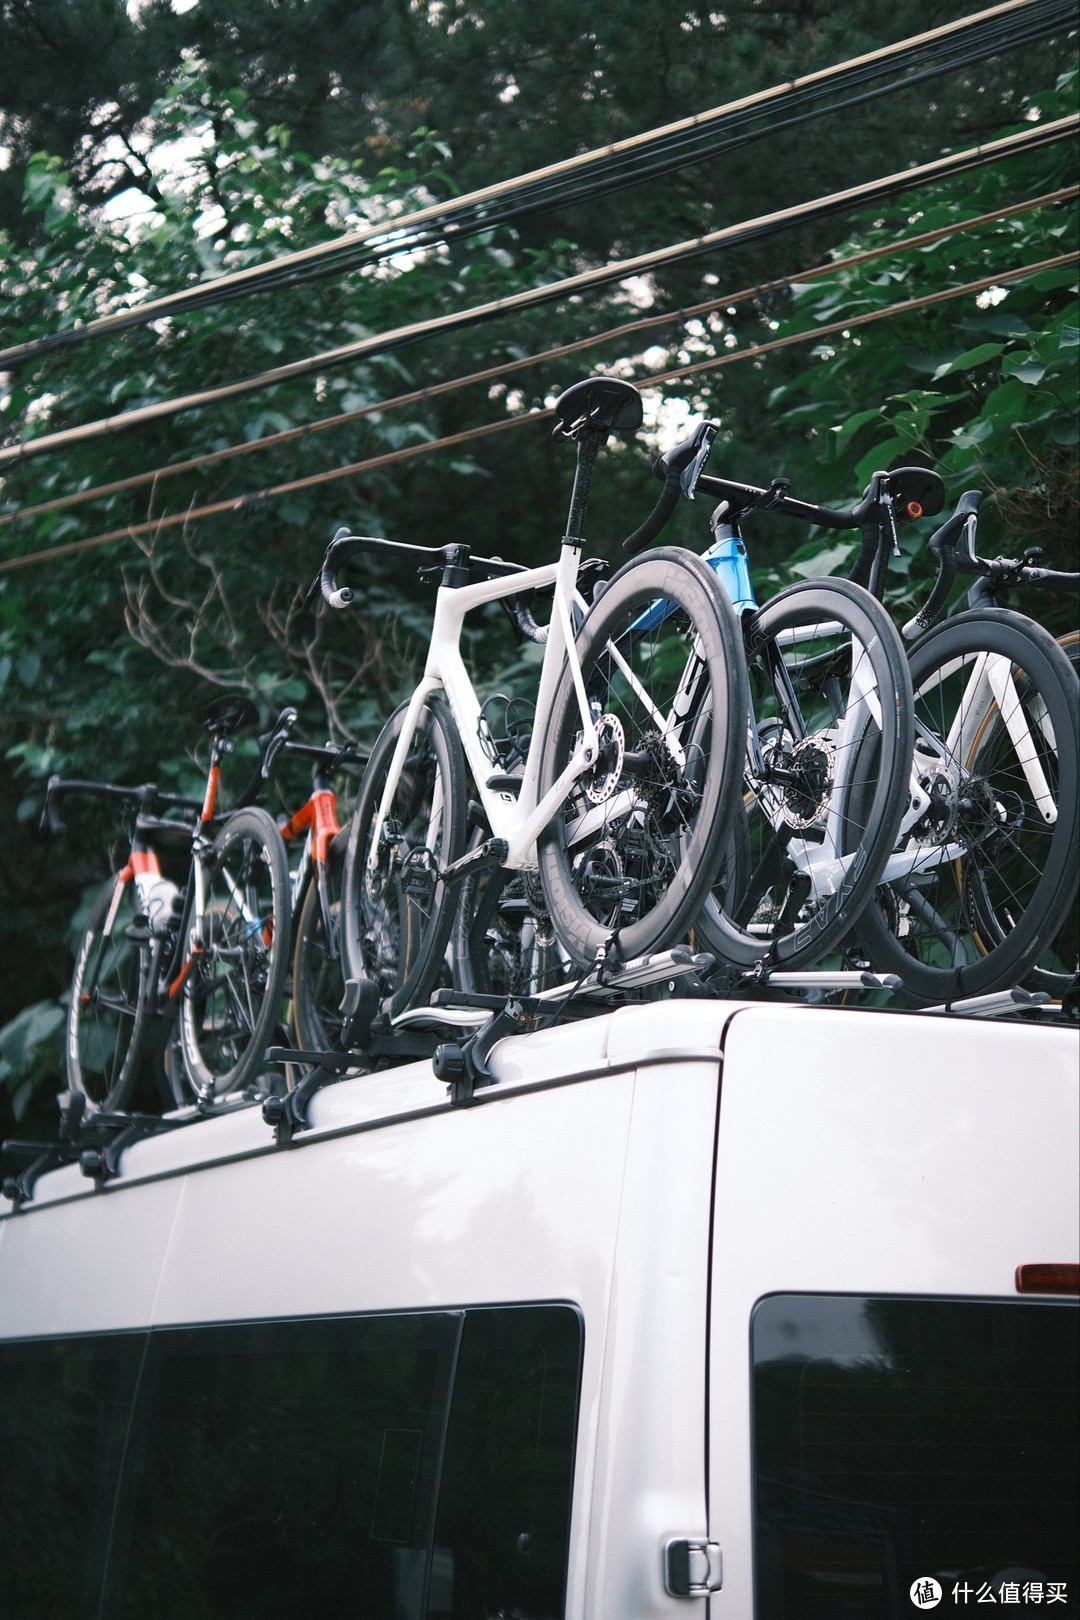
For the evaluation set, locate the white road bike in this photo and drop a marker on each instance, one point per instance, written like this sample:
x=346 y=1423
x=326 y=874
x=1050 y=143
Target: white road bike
x=985 y=870
x=619 y=808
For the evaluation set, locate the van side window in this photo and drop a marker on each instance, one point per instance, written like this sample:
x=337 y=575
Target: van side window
x=898 y=1439
x=394 y=1467
x=64 y=1408
x=283 y=1469
x=502 y=1533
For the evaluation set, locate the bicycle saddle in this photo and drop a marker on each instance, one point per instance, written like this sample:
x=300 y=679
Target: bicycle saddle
x=223 y=716
x=598 y=402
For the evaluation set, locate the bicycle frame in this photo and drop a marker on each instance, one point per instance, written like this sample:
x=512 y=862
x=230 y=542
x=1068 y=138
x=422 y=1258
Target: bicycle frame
x=820 y=861
x=516 y=819
x=317 y=823
x=177 y=947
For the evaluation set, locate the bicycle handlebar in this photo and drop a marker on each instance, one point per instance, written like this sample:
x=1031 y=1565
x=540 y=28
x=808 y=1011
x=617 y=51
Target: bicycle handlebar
x=680 y=470
x=955 y=533
x=147 y=797
x=1050 y=579
x=743 y=498
x=953 y=546
x=328 y=753
x=521 y=617
x=1005 y=571
x=345 y=545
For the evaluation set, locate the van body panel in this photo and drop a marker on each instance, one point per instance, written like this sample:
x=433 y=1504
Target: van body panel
x=933 y=1169
x=88 y=1265
x=381 y=1210
x=661 y=1169
x=650 y=1477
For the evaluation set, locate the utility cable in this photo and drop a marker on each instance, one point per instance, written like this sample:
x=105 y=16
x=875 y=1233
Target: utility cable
x=247 y=502
x=644 y=323
x=1026 y=140
x=1001 y=28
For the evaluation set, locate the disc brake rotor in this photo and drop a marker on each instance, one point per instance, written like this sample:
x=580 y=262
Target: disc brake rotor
x=602 y=780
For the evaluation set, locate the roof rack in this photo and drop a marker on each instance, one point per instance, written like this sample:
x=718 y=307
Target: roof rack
x=457 y=1031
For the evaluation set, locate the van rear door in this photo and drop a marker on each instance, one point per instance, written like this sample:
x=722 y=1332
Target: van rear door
x=886 y=1408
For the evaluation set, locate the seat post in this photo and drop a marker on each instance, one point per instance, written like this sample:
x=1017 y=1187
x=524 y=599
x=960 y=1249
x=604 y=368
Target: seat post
x=588 y=447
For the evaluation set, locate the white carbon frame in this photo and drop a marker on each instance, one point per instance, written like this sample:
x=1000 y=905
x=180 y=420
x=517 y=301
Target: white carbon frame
x=516 y=819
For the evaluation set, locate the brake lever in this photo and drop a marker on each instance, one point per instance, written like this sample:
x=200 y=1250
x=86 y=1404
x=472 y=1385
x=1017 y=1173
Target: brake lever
x=277 y=740
x=688 y=478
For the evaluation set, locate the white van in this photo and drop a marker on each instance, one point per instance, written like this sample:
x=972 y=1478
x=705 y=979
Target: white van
x=704 y=1308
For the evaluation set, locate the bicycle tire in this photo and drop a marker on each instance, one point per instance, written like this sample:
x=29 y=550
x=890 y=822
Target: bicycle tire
x=1058 y=967
x=109 y=1011
x=807 y=649
x=504 y=941
x=396 y=918
x=232 y=997
x=318 y=982
x=633 y=849
x=978 y=922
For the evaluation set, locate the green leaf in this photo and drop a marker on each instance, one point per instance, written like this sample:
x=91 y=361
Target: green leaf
x=854 y=423
x=976 y=433
x=830 y=561
x=1023 y=367
x=878 y=460
x=969 y=359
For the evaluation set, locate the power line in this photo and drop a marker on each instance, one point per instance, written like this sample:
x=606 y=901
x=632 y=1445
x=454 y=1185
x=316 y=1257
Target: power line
x=1005 y=27
x=452 y=441
x=560 y=351
x=1026 y=140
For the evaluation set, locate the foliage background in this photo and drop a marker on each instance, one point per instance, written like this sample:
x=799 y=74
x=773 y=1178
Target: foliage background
x=245 y=132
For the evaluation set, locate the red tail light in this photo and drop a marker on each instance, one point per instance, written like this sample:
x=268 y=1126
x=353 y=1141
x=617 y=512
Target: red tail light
x=1048 y=1279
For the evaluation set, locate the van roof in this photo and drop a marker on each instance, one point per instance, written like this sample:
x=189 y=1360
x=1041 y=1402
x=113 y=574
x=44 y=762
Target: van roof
x=634 y=1036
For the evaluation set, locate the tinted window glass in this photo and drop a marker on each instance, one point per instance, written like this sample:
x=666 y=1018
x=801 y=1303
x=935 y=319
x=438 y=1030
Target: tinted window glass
x=897 y=1439
x=284 y=1469
x=502 y=1533
x=64 y=1408
x=292 y=1469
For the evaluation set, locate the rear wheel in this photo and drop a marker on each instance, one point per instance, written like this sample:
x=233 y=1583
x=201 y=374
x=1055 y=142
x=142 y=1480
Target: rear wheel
x=396 y=912
x=634 y=847
x=109 y=1011
x=232 y=996
x=1058 y=966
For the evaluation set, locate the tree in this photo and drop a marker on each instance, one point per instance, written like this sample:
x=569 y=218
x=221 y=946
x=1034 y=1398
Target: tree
x=91 y=647
x=984 y=388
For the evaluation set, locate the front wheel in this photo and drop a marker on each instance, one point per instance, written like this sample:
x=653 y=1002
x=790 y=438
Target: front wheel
x=233 y=992
x=984 y=878
x=1058 y=967
x=831 y=702
x=396 y=913
x=109 y=1011
x=634 y=846
x=318 y=982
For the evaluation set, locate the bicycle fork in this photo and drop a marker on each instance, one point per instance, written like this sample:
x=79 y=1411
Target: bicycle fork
x=990 y=685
